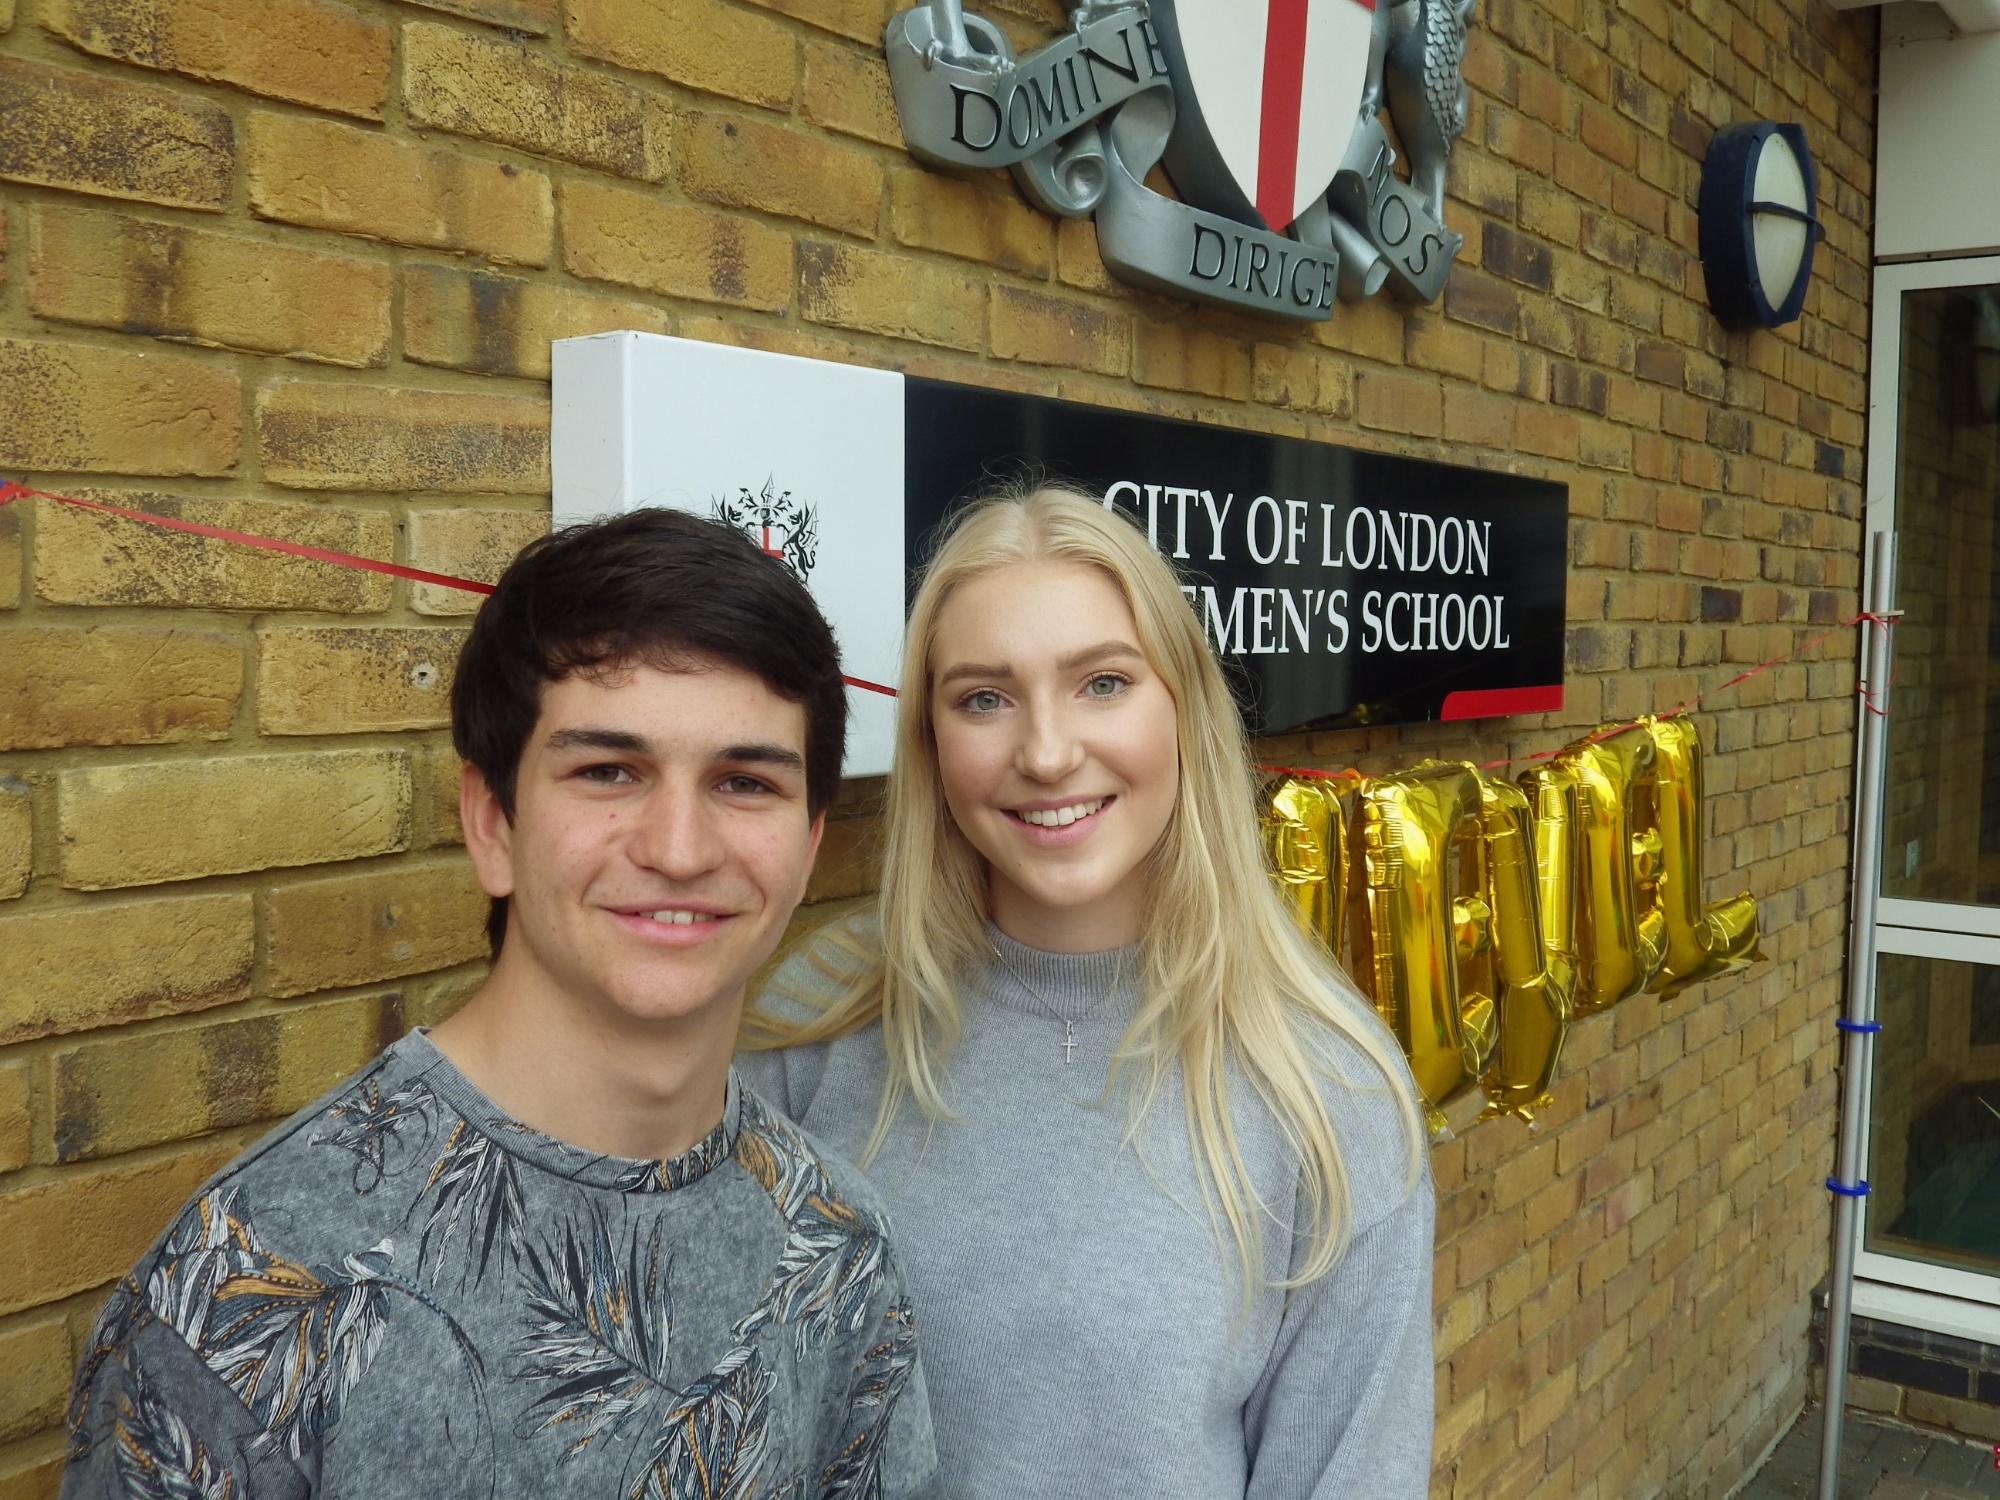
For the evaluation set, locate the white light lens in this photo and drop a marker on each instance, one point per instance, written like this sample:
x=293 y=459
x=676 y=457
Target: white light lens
x=1781 y=243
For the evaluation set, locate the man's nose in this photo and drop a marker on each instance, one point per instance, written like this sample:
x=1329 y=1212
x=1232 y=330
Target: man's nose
x=677 y=835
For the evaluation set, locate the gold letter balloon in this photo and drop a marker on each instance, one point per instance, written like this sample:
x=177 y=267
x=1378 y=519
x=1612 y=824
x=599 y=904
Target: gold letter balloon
x=1480 y=916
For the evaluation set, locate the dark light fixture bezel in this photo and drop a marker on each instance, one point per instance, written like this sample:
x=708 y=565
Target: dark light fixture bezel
x=1726 y=213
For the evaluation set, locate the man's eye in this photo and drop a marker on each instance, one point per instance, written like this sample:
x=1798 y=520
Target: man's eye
x=605 y=775
x=743 y=786
x=1105 y=685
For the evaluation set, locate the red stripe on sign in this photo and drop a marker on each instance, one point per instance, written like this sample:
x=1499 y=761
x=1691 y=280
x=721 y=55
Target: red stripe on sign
x=1494 y=703
x=1278 y=127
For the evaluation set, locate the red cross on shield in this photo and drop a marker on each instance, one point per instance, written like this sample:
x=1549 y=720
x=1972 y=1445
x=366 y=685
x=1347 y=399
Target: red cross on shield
x=1278 y=84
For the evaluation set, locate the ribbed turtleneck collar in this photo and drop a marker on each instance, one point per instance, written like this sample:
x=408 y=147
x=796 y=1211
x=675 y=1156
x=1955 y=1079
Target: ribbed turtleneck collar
x=1074 y=986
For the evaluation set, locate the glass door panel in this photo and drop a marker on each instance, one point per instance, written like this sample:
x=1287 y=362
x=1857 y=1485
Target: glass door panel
x=1934 y=1136
x=1941 y=814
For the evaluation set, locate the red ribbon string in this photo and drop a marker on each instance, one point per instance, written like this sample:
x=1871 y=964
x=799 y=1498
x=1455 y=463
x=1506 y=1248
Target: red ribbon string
x=10 y=492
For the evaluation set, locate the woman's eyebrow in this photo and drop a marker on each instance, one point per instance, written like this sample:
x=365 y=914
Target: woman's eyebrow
x=1091 y=655
x=973 y=669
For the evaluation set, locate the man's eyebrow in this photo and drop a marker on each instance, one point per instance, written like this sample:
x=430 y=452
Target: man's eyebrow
x=764 y=755
x=600 y=739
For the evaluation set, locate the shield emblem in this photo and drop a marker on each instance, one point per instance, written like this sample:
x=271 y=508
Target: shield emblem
x=1271 y=91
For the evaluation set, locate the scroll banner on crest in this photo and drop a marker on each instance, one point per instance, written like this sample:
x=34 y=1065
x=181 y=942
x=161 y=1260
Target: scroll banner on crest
x=1339 y=587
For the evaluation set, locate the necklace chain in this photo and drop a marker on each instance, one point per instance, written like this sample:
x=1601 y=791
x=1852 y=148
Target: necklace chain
x=1069 y=1025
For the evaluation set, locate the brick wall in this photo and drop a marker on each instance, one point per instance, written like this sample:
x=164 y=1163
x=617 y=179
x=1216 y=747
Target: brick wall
x=292 y=266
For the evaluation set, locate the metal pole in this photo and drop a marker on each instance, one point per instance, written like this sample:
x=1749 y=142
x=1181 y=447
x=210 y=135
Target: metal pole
x=1857 y=1025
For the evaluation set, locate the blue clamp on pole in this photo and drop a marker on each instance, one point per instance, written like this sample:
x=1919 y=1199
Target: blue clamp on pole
x=1857 y=1190
x=1863 y=1028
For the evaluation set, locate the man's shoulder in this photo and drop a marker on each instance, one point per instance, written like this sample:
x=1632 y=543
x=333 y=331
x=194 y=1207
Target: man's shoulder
x=793 y=1166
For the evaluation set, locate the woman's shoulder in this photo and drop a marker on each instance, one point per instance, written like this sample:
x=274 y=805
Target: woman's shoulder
x=821 y=968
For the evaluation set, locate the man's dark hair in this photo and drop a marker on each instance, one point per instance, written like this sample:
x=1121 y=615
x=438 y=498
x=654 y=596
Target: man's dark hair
x=653 y=587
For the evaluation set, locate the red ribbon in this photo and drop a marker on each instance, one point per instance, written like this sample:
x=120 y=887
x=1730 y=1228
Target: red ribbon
x=10 y=492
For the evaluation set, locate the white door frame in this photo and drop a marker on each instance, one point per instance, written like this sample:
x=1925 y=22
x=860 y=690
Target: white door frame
x=1943 y=1299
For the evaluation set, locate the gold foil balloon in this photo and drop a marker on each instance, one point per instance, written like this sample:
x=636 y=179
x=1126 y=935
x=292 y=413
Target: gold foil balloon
x=1700 y=942
x=1305 y=830
x=1620 y=928
x=1536 y=972
x=1421 y=944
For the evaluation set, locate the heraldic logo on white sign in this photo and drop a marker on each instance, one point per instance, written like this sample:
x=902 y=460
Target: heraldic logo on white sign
x=804 y=456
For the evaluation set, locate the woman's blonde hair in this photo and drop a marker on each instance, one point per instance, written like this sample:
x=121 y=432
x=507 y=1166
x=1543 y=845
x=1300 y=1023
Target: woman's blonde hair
x=1239 y=988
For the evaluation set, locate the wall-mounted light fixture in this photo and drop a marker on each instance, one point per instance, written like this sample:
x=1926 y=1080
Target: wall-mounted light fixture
x=1758 y=223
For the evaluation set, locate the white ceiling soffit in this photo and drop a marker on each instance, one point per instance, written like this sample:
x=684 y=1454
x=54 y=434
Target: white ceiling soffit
x=1965 y=16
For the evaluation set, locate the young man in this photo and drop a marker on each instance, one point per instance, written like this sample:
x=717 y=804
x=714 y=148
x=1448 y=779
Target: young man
x=553 y=1247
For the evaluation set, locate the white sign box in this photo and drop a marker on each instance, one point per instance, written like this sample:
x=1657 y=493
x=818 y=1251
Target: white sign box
x=805 y=455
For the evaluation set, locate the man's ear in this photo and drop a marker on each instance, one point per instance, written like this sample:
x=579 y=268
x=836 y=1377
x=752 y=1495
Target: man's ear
x=489 y=836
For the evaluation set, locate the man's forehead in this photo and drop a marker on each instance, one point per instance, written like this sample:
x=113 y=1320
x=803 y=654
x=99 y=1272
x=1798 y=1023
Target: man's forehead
x=702 y=708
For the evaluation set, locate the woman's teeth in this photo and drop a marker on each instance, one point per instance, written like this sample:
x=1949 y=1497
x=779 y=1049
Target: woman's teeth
x=1059 y=817
x=680 y=918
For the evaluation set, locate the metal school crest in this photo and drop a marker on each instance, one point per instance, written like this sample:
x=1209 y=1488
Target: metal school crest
x=1266 y=115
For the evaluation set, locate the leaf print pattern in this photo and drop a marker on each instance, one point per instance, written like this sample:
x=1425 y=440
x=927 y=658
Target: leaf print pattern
x=856 y=1470
x=124 y=1312
x=717 y=1437
x=477 y=1186
x=597 y=1336
x=374 y=1129
x=158 y=1456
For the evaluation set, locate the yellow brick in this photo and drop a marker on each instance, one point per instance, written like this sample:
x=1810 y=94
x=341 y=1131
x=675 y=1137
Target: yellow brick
x=14 y=1120
x=136 y=824
x=35 y=1471
x=704 y=44
x=1078 y=262
x=308 y=51
x=353 y=437
x=6 y=16
x=76 y=967
x=109 y=411
x=11 y=556
x=348 y=681
x=62 y=685
x=87 y=557
x=535 y=17
x=502 y=91
x=439 y=784
x=476 y=544
x=1179 y=357
x=503 y=325
x=357 y=929
x=871 y=292
x=134 y=276
x=860 y=19
x=1039 y=329
x=1401 y=403
x=741 y=163
x=139 y=1088
x=17 y=841
x=981 y=220
x=90 y=1227
x=848 y=91
x=36 y=1357
x=64 y=129
x=340 y=177
x=434 y=1000
x=636 y=240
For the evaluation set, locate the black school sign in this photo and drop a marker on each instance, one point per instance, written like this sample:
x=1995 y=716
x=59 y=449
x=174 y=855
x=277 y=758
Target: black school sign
x=1342 y=587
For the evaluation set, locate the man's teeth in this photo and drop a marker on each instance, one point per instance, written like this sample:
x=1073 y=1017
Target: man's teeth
x=680 y=918
x=1059 y=817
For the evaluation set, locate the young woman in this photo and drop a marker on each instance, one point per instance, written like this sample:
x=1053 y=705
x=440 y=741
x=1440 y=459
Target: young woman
x=1155 y=1168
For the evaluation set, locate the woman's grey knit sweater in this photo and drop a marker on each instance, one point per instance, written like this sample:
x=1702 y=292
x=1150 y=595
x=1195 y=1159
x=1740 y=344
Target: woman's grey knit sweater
x=1082 y=1331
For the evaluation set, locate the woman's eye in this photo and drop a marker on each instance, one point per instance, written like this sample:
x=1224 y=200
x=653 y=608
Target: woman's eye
x=1105 y=685
x=981 y=701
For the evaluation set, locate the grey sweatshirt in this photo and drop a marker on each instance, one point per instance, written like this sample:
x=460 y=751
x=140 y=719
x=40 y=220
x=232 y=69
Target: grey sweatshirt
x=1083 y=1331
